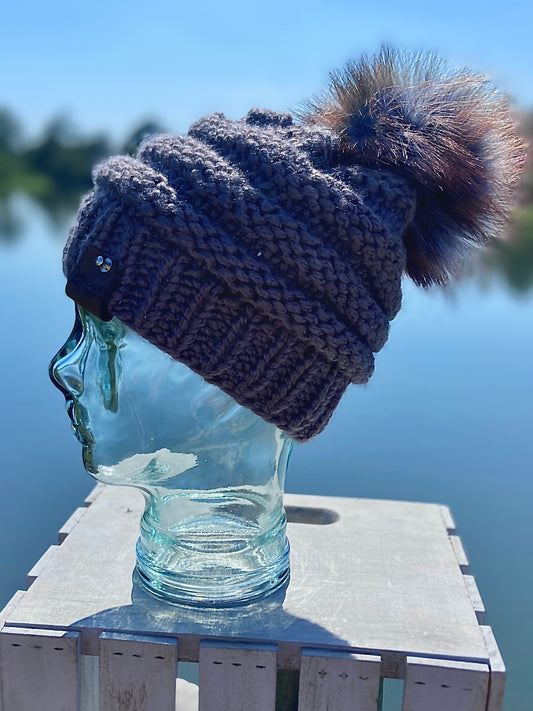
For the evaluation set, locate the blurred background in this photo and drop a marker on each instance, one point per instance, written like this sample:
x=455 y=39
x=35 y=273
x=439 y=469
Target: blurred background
x=448 y=415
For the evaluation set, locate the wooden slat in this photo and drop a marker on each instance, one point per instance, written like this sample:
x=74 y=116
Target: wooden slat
x=137 y=672
x=459 y=552
x=40 y=670
x=338 y=681
x=70 y=523
x=447 y=519
x=94 y=494
x=11 y=605
x=186 y=695
x=475 y=598
x=237 y=677
x=73 y=581
x=41 y=564
x=497 y=671
x=89 y=683
x=443 y=685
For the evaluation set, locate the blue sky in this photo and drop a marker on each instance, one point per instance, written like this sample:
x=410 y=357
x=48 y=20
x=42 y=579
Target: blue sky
x=109 y=64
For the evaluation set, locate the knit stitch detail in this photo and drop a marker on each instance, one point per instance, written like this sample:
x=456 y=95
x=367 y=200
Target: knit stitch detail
x=251 y=255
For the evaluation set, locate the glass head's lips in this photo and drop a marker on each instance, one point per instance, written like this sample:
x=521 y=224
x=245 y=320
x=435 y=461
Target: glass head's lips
x=80 y=432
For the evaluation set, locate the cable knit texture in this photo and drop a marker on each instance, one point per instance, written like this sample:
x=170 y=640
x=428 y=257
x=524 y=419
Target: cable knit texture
x=250 y=253
x=267 y=255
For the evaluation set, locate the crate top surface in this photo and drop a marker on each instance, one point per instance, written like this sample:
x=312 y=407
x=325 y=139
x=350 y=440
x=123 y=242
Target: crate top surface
x=381 y=576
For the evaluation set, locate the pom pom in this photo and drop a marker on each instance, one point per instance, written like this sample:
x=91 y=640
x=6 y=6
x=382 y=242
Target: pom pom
x=448 y=132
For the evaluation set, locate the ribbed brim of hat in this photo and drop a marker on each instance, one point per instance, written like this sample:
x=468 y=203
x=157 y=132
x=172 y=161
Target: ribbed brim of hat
x=258 y=361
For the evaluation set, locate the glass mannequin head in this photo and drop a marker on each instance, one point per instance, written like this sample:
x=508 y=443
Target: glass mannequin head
x=212 y=472
x=144 y=418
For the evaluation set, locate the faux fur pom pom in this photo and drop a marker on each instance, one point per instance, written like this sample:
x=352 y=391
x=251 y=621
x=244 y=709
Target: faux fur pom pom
x=448 y=132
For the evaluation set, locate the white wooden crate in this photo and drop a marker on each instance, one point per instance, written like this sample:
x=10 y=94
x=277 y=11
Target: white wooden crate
x=379 y=589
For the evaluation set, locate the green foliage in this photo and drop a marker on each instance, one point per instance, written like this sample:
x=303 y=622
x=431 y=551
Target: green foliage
x=144 y=131
x=10 y=132
x=65 y=160
x=56 y=169
x=513 y=258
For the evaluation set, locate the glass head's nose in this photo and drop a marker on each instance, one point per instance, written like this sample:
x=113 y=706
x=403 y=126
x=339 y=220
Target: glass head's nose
x=65 y=367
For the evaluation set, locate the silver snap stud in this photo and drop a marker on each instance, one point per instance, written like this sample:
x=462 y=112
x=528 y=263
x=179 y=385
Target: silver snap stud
x=104 y=264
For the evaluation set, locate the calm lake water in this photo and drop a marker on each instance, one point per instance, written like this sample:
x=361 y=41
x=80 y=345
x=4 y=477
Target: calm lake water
x=447 y=418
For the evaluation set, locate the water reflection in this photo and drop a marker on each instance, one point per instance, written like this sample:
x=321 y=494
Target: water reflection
x=509 y=261
x=446 y=418
x=59 y=211
x=513 y=259
x=11 y=223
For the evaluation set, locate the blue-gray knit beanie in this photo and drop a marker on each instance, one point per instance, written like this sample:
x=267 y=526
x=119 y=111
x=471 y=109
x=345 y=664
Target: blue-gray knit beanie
x=267 y=253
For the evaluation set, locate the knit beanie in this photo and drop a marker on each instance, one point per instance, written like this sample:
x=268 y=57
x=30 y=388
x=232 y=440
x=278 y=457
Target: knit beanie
x=267 y=253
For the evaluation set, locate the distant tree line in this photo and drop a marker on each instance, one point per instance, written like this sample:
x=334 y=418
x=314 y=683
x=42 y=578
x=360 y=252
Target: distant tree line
x=55 y=170
x=513 y=257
